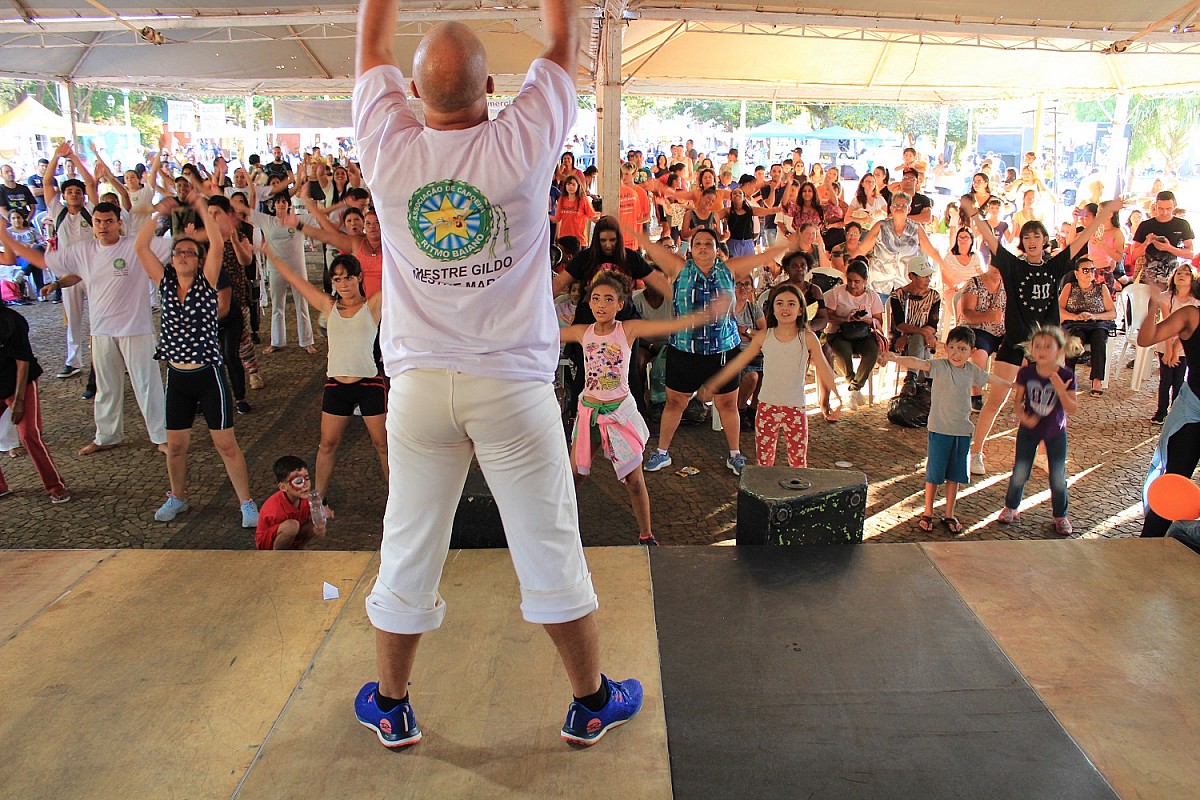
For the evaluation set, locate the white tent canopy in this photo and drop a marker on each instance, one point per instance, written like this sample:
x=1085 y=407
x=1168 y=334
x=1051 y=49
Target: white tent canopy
x=887 y=50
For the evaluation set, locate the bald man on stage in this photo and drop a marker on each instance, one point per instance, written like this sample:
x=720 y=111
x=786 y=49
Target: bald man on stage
x=470 y=342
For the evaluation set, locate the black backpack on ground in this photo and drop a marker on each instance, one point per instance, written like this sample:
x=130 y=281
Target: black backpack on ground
x=910 y=408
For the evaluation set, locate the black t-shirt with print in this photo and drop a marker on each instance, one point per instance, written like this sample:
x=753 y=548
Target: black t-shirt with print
x=918 y=204
x=281 y=169
x=18 y=198
x=1032 y=291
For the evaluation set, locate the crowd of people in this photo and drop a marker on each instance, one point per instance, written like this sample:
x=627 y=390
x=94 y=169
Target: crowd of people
x=876 y=289
x=873 y=287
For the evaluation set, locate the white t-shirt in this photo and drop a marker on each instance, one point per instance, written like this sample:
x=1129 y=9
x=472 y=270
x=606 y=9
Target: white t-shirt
x=115 y=282
x=466 y=237
x=141 y=205
x=287 y=242
x=74 y=229
x=249 y=192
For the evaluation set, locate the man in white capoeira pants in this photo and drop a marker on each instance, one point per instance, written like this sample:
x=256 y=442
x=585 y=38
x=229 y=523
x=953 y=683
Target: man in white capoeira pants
x=69 y=210
x=470 y=341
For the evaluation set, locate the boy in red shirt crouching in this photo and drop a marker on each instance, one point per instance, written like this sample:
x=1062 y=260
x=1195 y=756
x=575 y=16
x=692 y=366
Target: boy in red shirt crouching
x=285 y=520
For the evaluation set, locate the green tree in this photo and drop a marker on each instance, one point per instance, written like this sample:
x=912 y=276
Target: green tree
x=727 y=114
x=910 y=119
x=12 y=92
x=1162 y=127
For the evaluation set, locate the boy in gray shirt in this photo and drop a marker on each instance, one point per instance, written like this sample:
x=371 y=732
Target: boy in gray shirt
x=950 y=427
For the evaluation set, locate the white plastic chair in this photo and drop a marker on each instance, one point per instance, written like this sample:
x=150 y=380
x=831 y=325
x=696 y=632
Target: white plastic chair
x=1137 y=298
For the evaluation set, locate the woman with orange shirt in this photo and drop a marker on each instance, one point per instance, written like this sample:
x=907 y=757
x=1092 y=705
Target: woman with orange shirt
x=573 y=210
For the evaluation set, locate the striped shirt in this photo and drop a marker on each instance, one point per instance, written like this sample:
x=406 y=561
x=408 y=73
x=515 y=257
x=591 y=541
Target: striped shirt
x=692 y=292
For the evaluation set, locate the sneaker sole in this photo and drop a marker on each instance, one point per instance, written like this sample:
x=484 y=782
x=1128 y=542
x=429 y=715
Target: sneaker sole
x=390 y=745
x=664 y=465
x=571 y=738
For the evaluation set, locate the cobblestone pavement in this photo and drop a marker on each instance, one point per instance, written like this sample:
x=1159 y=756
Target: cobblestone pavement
x=115 y=493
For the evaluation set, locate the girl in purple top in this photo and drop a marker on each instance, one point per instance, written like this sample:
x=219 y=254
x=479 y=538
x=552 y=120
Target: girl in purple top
x=1045 y=395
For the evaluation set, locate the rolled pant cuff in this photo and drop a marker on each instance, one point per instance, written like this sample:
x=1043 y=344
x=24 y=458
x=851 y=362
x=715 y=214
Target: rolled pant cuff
x=413 y=614
x=556 y=606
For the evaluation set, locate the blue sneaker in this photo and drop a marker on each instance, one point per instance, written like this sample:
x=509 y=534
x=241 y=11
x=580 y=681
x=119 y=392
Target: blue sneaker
x=397 y=728
x=585 y=727
x=657 y=461
x=171 y=509
x=736 y=463
x=249 y=514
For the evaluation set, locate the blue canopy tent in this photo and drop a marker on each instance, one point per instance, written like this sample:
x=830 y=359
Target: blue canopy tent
x=836 y=133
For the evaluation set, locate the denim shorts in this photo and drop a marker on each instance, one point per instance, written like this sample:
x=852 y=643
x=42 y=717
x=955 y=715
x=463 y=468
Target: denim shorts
x=947 y=459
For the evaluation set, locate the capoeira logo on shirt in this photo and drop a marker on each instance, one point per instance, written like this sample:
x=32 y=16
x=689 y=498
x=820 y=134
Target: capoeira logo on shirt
x=119 y=265
x=451 y=221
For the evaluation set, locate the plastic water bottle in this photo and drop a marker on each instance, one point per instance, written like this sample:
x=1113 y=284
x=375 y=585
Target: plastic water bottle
x=317 y=510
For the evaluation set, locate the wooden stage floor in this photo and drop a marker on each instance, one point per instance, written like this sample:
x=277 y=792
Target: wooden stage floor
x=1057 y=669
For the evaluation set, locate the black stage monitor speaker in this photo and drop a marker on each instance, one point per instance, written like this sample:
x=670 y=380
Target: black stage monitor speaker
x=477 y=520
x=784 y=506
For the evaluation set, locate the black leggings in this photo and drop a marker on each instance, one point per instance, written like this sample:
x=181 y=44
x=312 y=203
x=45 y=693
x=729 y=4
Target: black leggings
x=229 y=330
x=1170 y=381
x=1097 y=339
x=255 y=294
x=1183 y=452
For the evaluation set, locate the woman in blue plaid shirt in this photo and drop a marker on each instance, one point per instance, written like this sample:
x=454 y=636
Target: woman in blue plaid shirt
x=695 y=355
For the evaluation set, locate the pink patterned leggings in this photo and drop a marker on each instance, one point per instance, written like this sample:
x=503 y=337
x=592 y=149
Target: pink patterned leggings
x=792 y=422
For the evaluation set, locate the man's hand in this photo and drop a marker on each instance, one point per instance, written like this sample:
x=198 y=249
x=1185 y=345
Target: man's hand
x=561 y=26
x=16 y=410
x=376 y=27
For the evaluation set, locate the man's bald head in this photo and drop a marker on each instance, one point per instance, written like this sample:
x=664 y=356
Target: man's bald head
x=450 y=68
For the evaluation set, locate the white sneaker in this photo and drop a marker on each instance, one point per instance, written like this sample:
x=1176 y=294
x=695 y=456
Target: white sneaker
x=977 y=467
x=856 y=399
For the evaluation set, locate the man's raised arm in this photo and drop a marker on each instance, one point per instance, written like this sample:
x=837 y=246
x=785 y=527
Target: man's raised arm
x=376 y=30
x=560 y=19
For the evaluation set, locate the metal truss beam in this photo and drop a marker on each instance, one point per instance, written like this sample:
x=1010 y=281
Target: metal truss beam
x=776 y=23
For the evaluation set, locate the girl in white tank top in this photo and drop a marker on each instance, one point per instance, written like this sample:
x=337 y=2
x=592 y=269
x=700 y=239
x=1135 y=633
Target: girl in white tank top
x=354 y=379
x=787 y=346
